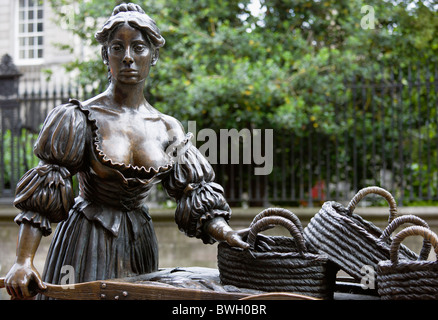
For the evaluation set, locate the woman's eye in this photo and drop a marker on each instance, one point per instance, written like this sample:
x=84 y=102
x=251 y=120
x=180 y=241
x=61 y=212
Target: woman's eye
x=139 y=48
x=116 y=47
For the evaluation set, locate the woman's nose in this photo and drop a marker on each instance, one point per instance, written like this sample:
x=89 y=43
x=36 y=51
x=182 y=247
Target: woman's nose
x=128 y=58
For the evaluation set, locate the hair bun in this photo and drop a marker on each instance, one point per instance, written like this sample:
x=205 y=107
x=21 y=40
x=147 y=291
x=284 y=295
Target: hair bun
x=127 y=7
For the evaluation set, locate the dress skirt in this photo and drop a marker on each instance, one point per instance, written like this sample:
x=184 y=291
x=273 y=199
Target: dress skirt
x=93 y=252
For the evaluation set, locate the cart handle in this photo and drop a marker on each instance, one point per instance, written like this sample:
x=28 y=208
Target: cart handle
x=80 y=291
x=117 y=290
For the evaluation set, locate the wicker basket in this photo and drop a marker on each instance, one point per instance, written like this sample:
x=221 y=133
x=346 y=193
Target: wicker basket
x=409 y=280
x=412 y=219
x=278 y=212
x=350 y=241
x=286 y=266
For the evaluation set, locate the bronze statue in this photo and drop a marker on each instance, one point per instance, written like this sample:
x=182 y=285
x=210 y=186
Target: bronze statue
x=120 y=147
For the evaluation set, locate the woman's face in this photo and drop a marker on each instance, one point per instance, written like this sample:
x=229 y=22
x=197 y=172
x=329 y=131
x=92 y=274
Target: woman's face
x=130 y=55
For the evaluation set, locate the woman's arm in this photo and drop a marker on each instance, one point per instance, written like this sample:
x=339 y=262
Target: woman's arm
x=45 y=193
x=219 y=230
x=202 y=210
x=23 y=273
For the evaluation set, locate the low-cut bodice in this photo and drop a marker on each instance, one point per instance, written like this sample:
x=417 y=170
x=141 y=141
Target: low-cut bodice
x=118 y=157
x=127 y=157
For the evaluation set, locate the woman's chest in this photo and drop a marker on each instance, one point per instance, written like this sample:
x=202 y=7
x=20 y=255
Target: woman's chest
x=129 y=138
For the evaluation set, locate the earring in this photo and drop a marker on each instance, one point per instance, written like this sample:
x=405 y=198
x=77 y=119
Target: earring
x=155 y=58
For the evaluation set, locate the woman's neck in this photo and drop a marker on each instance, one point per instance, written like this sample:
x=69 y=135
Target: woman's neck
x=127 y=95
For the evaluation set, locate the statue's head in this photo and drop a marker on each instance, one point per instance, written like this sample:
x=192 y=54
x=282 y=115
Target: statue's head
x=134 y=16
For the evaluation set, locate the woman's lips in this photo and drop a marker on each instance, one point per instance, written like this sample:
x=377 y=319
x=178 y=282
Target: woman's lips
x=129 y=72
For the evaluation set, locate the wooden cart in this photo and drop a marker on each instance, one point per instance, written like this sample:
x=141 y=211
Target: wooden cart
x=145 y=288
x=205 y=285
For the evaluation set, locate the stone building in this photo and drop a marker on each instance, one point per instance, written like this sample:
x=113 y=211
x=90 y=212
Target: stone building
x=31 y=35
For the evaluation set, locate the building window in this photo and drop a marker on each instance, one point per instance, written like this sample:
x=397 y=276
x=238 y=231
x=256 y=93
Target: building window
x=30 y=29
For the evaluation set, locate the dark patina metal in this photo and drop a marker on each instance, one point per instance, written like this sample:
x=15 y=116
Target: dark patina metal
x=119 y=146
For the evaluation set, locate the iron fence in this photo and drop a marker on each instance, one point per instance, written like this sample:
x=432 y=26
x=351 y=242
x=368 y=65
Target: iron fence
x=387 y=135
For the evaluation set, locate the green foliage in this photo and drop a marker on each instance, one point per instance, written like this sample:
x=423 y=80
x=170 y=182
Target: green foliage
x=18 y=156
x=285 y=68
x=224 y=67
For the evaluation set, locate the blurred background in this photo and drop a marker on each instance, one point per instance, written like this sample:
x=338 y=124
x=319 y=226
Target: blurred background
x=349 y=88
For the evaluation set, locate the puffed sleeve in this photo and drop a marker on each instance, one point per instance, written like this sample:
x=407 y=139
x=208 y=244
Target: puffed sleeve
x=45 y=193
x=198 y=197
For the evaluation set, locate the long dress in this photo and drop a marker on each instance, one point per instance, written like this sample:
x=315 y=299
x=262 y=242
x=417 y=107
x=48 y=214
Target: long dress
x=106 y=231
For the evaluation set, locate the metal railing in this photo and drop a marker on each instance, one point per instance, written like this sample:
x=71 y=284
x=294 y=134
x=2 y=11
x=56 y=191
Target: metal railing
x=387 y=135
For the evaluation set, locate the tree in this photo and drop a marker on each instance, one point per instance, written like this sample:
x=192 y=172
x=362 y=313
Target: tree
x=289 y=67
x=283 y=68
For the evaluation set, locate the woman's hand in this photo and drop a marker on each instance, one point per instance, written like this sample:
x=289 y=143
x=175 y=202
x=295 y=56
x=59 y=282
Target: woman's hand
x=219 y=229
x=235 y=238
x=23 y=281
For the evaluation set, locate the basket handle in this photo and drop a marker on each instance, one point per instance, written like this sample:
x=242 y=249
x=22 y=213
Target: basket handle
x=268 y=223
x=377 y=190
x=410 y=218
x=426 y=233
x=278 y=212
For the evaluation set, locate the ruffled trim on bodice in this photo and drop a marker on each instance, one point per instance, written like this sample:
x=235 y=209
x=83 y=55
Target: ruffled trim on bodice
x=128 y=171
x=70 y=143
